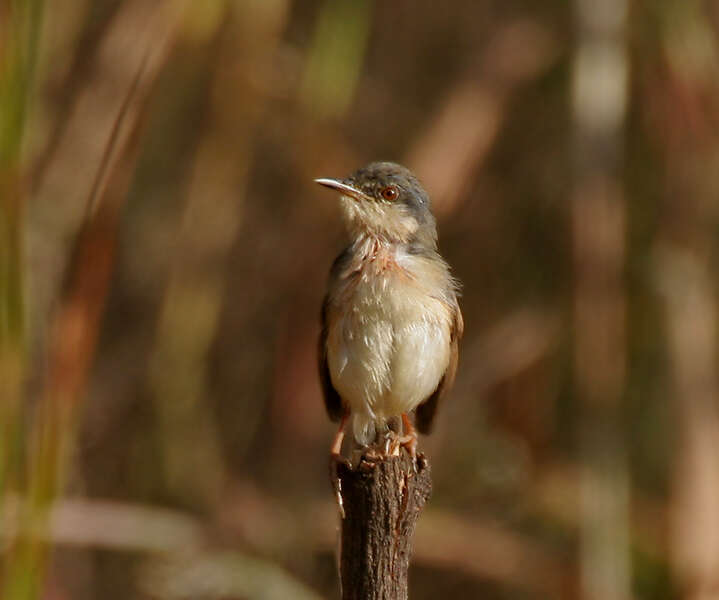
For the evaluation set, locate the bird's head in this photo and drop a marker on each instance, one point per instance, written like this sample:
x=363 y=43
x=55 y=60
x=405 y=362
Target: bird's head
x=385 y=200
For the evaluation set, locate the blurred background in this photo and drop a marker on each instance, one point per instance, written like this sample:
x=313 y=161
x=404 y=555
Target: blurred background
x=163 y=254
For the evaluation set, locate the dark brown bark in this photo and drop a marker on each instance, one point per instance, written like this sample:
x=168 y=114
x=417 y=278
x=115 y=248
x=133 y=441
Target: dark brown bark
x=382 y=502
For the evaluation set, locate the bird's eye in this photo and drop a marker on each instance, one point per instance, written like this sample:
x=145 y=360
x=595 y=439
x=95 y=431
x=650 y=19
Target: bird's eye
x=390 y=193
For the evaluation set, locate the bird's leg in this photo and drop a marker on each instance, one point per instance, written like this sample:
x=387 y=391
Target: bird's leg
x=409 y=437
x=336 y=459
x=336 y=447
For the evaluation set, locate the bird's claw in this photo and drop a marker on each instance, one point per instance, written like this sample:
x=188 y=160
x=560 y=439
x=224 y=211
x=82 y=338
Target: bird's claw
x=335 y=461
x=409 y=443
x=391 y=444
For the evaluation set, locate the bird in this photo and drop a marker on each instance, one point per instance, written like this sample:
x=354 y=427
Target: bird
x=390 y=320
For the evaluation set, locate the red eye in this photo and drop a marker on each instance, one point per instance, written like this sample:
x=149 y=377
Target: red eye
x=390 y=193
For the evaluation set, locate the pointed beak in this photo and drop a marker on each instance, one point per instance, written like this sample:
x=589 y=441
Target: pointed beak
x=341 y=186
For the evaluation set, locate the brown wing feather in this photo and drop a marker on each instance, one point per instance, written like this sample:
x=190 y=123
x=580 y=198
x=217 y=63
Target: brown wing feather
x=427 y=410
x=333 y=402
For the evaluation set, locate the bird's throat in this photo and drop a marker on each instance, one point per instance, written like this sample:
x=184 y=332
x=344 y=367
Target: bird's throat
x=387 y=223
x=373 y=254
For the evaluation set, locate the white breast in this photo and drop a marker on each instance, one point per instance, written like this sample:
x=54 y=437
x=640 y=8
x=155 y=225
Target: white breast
x=388 y=341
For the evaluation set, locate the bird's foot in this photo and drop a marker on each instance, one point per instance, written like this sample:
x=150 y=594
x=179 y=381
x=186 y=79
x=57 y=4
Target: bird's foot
x=409 y=440
x=409 y=443
x=336 y=460
x=391 y=443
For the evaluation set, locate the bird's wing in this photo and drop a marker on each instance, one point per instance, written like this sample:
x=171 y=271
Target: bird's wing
x=427 y=410
x=333 y=402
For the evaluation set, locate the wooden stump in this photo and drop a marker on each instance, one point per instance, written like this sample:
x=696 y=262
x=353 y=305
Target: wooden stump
x=382 y=502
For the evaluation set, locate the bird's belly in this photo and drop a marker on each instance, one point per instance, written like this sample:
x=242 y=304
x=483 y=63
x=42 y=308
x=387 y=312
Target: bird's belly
x=388 y=346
